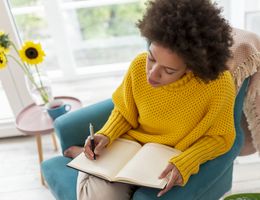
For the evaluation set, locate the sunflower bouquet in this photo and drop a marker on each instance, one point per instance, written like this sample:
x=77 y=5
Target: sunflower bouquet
x=29 y=56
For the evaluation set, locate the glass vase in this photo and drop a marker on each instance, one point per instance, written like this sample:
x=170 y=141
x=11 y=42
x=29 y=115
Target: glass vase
x=39 y=87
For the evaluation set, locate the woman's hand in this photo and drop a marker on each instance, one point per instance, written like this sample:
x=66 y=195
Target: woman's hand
x=174 y=178
x=101 y=141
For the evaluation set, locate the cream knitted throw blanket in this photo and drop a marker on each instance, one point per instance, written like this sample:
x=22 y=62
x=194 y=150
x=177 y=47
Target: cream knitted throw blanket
x=245 y=63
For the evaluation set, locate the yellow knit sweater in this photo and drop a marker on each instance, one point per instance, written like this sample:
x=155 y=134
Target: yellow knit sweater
x=189 y=115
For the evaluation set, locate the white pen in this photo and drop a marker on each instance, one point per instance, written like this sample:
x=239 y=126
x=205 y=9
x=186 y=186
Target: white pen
x=92 y=141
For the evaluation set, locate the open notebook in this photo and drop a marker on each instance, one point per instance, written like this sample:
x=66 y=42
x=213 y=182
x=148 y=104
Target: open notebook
x=129 y=162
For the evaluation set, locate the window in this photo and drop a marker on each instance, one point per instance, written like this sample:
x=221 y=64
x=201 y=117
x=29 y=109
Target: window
x=79 y=35
x=252 y=18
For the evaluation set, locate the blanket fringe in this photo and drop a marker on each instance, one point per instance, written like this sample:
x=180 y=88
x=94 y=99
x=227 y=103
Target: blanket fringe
x=246 y=69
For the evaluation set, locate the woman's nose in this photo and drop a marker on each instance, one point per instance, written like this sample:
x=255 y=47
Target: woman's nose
x=154 y=73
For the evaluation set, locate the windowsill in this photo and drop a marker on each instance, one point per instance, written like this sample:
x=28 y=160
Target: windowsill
x=8 y=129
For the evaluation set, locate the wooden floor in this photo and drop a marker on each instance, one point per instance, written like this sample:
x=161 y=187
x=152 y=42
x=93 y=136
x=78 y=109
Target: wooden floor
x=19 y=167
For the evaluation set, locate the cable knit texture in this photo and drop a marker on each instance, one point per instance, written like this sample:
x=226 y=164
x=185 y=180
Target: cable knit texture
x=189 y=115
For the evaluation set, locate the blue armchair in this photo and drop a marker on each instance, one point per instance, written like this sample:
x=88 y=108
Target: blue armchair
x=211 y=183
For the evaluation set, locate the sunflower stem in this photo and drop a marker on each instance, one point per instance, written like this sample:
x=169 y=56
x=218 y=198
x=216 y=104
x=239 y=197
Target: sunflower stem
x=43 y=94
x=39 y=76
x=13 y=45
x=38 y=73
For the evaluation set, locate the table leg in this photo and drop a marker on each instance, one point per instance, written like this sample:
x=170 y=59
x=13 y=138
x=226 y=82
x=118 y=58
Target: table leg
x=54 y=141
x=40 y=154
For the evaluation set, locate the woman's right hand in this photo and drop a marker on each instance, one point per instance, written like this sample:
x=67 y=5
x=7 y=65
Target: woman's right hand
x=101 y=141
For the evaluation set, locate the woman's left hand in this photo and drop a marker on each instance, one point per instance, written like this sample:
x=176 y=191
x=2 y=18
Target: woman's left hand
x=174 y=178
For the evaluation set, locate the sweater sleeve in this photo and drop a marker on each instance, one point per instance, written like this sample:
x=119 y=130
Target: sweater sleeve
x=125 y=114
x=218 y=137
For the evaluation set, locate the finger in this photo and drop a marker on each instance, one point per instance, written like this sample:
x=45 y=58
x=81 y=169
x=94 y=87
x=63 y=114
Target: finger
x=166 y=189
x=87 y=145
x=165 y=172
x=172 y=181
x=88 y=152
x=100 y=146
x=88 y=156
x=179 y=180
x=176 y=175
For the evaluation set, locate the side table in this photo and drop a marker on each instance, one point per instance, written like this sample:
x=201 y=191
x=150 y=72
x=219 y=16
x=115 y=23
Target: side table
x=32 y=120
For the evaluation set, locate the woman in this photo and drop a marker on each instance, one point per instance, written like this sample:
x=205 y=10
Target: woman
x=179 y=93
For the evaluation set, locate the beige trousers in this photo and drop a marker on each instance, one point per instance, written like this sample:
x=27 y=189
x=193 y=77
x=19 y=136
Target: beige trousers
x=93 y=188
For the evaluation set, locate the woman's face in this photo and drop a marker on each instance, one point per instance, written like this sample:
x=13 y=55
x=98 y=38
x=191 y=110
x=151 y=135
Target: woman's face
x=163 y=66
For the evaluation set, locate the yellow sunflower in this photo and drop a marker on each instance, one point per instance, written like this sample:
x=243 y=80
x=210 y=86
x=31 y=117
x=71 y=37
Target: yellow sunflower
x=32 y=53
x=3 y=59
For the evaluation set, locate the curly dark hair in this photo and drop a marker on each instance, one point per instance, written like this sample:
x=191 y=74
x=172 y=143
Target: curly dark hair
x=194 y=29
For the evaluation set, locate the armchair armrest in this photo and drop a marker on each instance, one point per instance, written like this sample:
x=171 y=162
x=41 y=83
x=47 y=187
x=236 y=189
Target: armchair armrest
x=73 y=128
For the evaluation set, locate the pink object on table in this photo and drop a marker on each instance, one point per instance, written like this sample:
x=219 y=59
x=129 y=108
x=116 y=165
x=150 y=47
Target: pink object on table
x=33 y=119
